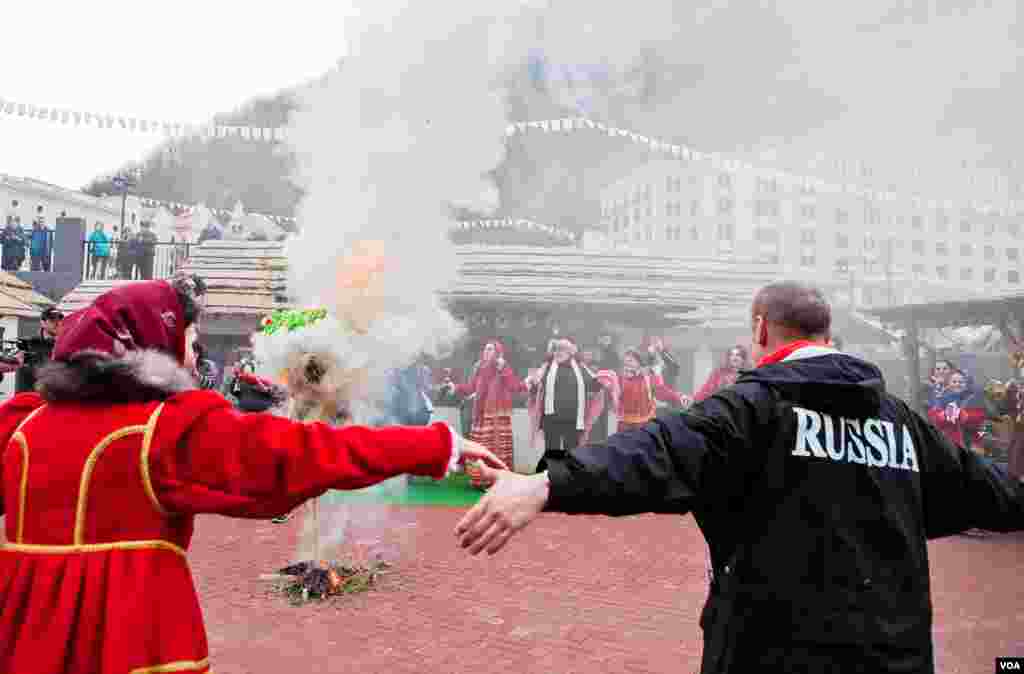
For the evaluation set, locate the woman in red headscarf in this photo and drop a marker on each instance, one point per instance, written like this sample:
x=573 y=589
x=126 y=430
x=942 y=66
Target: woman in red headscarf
x=493 y=385
x=735 y=360
x=105 y=467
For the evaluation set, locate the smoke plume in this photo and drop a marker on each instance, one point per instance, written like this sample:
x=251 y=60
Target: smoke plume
x=409 y=124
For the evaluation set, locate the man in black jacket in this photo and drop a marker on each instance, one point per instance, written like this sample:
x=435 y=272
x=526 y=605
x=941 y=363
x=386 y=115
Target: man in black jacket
x=36 y=351
x=815 y=489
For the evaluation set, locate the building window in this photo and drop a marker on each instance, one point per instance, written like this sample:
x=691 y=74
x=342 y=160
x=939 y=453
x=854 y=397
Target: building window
x=726 y=231
x=942 y=248
x=918 y=270
x=990 y=228
x=966 y=273
x=694 y=233
x=650 y=210
x=965 y=227
x=694 y=208
x=869 y=242
x=1013 y=276
x=872 y=215
x=770 y=258
x=966 y=250
x=1011 y=254
x=725 y=206
x=724 y=180
x=766 y=234
x=917 y=247
x=842 y=241
x=673 y=184
x=807 y=236
x=942 y=271
x=766 y=208
x=807 y=211
x=842 y=217
x=769 y=185
x=942 y=222
x=990 y=275
x=917 y=222
x=1013 y=229
x=807 y=260
x=990 y=253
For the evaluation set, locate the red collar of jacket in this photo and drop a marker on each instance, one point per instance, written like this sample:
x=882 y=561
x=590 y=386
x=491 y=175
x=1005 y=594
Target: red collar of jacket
x=786 y=351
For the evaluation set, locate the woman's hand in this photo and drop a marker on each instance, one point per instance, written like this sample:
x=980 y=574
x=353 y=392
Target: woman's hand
x=474 y=451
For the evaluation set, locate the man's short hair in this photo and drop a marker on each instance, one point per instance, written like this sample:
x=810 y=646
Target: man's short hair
x=798 y=308
x=51 y=314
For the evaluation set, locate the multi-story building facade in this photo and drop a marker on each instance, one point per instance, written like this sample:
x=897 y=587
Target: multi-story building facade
x=28 y=199
x=887 y=252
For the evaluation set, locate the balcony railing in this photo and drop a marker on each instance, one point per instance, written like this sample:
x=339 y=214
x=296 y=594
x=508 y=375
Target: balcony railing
x=17 y=254
x=125 y=260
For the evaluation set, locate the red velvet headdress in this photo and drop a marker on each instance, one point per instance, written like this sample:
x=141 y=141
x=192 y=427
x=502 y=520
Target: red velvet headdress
x=143 y=315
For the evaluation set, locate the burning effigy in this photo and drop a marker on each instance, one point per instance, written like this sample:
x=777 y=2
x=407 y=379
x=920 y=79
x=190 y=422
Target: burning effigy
x=333 y=363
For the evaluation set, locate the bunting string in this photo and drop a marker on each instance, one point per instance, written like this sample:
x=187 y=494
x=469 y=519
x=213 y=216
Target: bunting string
x=161 y=128
x=720 y=161
x=728 y=164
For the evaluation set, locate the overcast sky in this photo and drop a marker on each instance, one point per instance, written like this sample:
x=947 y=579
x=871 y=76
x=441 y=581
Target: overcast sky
x=182 y=61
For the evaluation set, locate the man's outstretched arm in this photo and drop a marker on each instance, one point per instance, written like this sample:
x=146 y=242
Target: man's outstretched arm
x=665 y=466
x=962 y=490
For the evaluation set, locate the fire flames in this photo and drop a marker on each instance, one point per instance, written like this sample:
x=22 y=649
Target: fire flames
x=309 y=580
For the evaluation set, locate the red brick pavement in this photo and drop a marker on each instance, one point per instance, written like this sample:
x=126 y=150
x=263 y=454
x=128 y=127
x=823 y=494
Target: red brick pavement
x=584 y=594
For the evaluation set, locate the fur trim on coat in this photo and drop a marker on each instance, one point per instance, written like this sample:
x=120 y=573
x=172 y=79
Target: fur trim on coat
x=93 y=376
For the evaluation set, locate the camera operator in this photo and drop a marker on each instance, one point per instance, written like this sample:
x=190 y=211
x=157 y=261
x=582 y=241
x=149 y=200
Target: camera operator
x=35 y=351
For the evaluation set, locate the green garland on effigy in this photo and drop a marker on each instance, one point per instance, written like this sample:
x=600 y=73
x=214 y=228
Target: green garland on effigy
x=291 y=319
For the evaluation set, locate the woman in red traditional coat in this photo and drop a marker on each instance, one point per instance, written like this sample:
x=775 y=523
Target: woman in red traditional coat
x=735 y=360
x=958 y=411
x=493 y=385
x=104 y=469
x=639 y=392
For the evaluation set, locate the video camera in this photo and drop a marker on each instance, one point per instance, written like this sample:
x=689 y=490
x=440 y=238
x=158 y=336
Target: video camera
x=34 y=349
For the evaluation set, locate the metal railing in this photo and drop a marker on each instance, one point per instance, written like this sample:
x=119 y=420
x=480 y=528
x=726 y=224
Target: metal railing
x=128 y=260
x=17 y=255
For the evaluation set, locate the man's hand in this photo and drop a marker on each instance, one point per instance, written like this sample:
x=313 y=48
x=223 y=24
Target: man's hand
x=474 y=451
x=506 y=508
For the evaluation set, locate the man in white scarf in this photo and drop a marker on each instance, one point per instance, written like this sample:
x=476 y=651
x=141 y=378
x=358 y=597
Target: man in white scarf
x=566 y=384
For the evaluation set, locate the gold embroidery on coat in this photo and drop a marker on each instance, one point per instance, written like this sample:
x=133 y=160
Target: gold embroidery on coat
x=92 y=547
x=19 y=438
x=22 y=441
x=90 y=464
x=147 y=443
x=180 y=666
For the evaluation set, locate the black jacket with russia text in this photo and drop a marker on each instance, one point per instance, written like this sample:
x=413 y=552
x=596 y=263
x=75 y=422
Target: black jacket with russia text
x=816 y=492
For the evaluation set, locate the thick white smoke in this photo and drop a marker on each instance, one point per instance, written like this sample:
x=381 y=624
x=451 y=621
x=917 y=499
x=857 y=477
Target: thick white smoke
x=410 y=122
x=407 y=127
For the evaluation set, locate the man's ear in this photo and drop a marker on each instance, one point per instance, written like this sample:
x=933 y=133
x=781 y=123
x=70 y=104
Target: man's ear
x=762 y=332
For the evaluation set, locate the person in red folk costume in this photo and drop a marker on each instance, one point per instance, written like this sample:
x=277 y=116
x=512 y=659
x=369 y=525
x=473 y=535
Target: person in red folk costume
x=640 y=389
x=107 y=464
x=958 y=411
x=737 y=359
x=493 y=385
